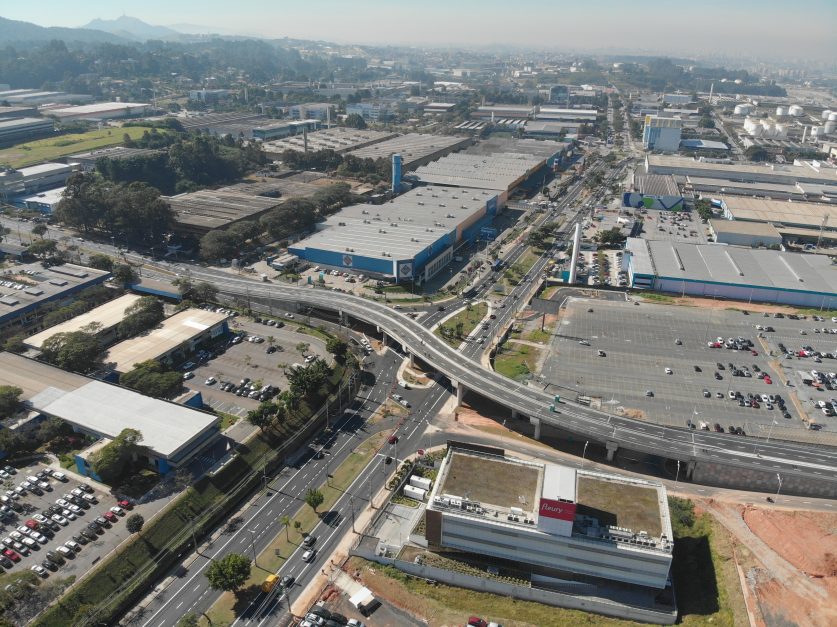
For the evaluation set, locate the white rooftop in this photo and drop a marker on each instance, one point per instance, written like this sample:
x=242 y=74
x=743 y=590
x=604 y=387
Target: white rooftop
x=104 y=408
x=498 y=171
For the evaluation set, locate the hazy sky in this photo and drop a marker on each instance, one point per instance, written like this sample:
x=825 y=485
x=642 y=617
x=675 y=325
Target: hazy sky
x=773 y=28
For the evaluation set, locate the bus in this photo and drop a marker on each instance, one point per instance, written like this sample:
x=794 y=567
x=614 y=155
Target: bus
x=497 y=265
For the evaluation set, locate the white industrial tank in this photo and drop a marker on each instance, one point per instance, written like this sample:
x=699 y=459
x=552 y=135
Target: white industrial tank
x=781 y=111
x=796 y=111
x=742 y=109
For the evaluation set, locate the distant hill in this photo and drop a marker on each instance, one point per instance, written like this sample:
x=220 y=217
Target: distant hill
x=132 y=28
x=25 y=33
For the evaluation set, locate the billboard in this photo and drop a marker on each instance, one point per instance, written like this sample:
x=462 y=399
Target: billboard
x=405 y=270
x=488 y=233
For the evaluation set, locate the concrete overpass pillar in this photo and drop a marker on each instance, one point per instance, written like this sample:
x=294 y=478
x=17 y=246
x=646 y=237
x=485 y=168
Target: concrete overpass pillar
x=412 y=360
x=612 y=447
x=515 y=415
x=536 y=422
x=460 y=392
x=690 y=469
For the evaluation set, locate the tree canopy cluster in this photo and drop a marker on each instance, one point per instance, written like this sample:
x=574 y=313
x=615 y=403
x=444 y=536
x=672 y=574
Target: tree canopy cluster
x=133 y=210
x=76 y=351
x=112 y=461
x=141 y=316
x=228 y=573
x=267 y=415
x=152 y=379
x=9 y=400
x=190 y=163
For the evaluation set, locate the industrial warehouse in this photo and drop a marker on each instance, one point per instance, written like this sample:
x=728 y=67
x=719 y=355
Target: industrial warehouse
x=415 y=149
x=172 y=434
x=339 y=139
x=411 y=237
x=732 y=272
x=567 y=526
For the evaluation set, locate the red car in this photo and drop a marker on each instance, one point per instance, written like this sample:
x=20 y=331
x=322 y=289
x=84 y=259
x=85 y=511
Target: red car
x=110 y=516
x=32 y=524
x=125 y=504
x=476 y=621
x=11 y=555
x=754 y=353
x=768 y=380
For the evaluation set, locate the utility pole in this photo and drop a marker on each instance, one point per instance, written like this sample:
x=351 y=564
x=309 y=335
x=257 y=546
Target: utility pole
x=352 y=505
x=369 y=482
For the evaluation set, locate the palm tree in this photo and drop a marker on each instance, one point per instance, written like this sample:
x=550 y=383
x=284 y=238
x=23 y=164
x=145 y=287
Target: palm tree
x=286 y=521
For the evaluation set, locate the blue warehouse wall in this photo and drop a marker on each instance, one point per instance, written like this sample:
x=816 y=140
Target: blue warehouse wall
x=344 y=260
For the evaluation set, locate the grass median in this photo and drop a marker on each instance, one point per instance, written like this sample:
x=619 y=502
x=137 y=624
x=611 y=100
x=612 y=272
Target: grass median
x=516 y=361
x=228 y=606
x=452 y=333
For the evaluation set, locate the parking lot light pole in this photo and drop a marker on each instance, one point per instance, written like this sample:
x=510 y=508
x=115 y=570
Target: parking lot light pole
x=677 y=476
x=779 y=477
x=584 y=452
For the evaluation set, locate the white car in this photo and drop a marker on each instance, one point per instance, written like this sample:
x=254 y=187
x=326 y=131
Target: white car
x=45 y=485
x=314 y=619
x=39 y=570
x=60 y=519
x=72 y=544
x=64 y=550
x=40 y=518
x=117 y=510
x=75 y=509
x=62 y=503
x=90 y=498
x=77 y=492
x=68 y=514
x=39 y=537
x=668 y=371
x=29 y=542
x=210 y=381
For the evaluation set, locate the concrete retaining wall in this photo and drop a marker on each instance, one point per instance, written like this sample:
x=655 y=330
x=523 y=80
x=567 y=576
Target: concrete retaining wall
x=723 y=476
x=547 y=597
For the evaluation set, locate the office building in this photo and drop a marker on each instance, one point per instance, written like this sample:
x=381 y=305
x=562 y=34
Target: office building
x=173 y=340
x=35 y=178
x=106 y=317
x=27 y=291
x=370 y=111
x=662 y=134
x=87 y=160
x=282 y=129
x=19 y=130
x=739 y=233
x=322 y=111
x=102 y=111
x=554 y=521
x=171 y=434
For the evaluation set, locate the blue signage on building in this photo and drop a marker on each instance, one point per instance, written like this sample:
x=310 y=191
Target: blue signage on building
x=488 y=233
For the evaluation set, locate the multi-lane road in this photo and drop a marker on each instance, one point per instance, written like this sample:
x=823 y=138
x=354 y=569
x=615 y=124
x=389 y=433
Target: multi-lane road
x=189 y=591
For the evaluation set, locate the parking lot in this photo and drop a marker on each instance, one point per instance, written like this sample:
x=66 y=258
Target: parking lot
x=654 y=362
x=601 y=268
x=259 y=361
x=674 y=226
x=61 y=540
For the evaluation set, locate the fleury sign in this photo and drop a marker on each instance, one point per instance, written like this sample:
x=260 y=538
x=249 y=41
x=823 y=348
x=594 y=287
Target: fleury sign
x=550 y=508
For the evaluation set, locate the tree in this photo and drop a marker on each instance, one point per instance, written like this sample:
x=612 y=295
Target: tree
x=756 y=153
x=314 y=498
x=460 y=328
x=355 y=120
x=152 y=379
x=293 y=216
x=259 y=418
x=204 y=292
x=704 y=208
x=76 y=351
x=611 y=237
x=111 y=461
x=217 y=245
x=337 y=347
x=9 y=400
x=39 y=229
x=100 y=262
x=140 y=317
x=43 y=248
x=228 y=573
x=286 y=522
x=706 y=121
x=125 y=274
x=134 y=523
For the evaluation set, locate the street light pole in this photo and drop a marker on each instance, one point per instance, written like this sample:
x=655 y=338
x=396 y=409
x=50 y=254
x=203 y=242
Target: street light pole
x=779 y=477
x=253 y=545
x=584 y=452
x=677 y=476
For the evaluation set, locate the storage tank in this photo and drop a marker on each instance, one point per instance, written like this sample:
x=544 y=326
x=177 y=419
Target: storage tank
x=781 y=111
x=414 y=492
x=742 y=109
x=832 y=117
x=753 y=127
x=830 y=127
x=420 y=482
x=817 y=131
x=780 y=131
x=826 y=113
x=768 y=130
x=796 y=111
